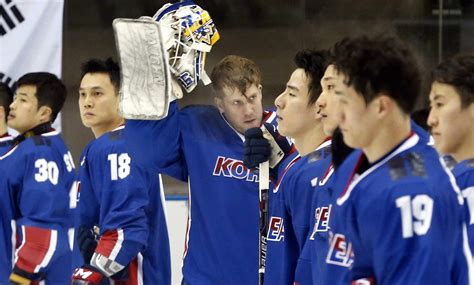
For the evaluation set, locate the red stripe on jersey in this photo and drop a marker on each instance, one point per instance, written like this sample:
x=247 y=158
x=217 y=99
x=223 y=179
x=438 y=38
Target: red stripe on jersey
x=133 y=272
x=107 y=243
x=34 y=248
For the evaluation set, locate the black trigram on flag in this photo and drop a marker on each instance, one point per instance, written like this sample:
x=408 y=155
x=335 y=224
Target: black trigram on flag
x=10 y=14
x=7 y=80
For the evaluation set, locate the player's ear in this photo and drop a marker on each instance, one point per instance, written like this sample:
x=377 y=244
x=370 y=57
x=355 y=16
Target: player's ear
x=383 y=104
x=45 y=113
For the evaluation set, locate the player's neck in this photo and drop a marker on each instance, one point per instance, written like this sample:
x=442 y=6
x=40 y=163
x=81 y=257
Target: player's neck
x=102 y=129
x=389 y=134
x=465 y=149
x=309 y=141
x=3 y=129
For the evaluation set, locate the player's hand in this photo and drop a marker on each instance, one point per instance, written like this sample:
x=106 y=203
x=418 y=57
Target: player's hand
x=257 y=148
x=87 y=275
x=268 y=144
x=20 y=277
x=87 y=242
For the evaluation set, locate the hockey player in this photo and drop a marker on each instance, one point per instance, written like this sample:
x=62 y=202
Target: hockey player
x=290 y=200
x=6 y=98
x=312 y=261
x=399 y=217
x=121 y=201
x=204 y=145
x=37 y=176
x=452 y=111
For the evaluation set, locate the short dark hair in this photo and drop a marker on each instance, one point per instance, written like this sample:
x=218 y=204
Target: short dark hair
x=314 y=63
x=457 y=71
x=380 y=64
x=6 y=98
x=50 y=90
x=108 y=66
x=235 y=72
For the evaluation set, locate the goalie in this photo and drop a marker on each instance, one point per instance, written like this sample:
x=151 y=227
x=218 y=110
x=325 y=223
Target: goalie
x=203 y=145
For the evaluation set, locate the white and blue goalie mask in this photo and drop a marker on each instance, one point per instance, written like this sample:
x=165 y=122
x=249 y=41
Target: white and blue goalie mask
x=189 y=34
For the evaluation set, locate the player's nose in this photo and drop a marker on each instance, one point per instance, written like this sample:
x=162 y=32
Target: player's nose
x=431 y=121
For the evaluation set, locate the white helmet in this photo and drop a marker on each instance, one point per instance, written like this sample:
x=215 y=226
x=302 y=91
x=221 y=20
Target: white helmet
x=189 y=33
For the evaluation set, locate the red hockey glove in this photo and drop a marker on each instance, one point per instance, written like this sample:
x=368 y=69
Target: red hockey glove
x=87 y=275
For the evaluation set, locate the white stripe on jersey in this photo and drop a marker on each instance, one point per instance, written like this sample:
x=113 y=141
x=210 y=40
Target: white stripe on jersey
x=13 y=226
x=452 y=180
x=140 y=269
x=117 y=246
x=188 y=227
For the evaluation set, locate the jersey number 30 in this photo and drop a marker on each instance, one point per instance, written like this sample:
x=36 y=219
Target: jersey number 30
x=416 y=214
x=47 y=170
x=119 y=165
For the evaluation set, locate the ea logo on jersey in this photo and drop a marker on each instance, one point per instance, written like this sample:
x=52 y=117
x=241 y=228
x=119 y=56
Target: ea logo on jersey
x=321 y=215
x=233 y=168
x=322 y=218
x=276 y=231
x=340 y=252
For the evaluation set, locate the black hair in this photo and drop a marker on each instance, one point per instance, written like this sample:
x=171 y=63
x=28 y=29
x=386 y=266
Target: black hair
x=421 y=118
x=6 y=98
x=314 y=63
x=457 y=71
x=108 y=66
x=50 y=91
x=380 y=64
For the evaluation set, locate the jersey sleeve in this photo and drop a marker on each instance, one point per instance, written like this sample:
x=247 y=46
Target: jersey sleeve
x=156 y=145
x=42 y=198
x=114 y=199
x=303 y=272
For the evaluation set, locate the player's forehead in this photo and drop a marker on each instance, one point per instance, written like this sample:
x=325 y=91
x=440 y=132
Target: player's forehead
x=235 y=93
x=329 y=74
x=96 y=81
x=443 y=91
x=299 y=80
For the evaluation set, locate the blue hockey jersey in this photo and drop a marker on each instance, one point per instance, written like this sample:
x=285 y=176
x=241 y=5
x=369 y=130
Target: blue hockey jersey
x=196 y=144
x=312 y=263
x=126 y=203
x=464 y=173
x=399 y=220
x=36 y=179
x=289 y=214
x=5 y=143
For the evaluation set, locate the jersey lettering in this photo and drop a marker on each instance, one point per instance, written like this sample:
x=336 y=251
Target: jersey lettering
x=276 y=231
x=233 y=168
x=340 y=252
x=68 y=161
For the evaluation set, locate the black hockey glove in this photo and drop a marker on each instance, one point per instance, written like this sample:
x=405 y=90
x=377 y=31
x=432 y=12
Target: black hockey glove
x=19 y=276
x=257 y=148
x=265 y=143
x=87 y=242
